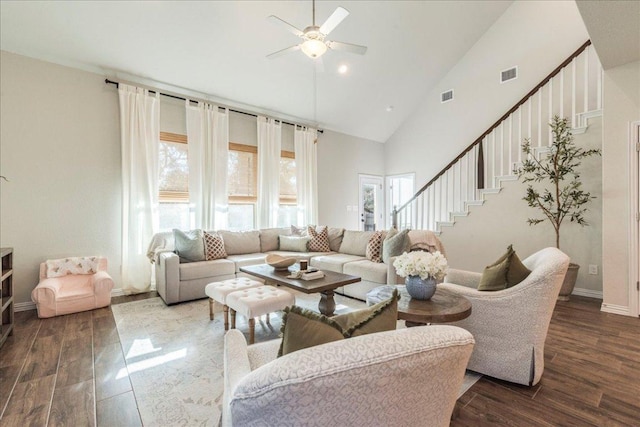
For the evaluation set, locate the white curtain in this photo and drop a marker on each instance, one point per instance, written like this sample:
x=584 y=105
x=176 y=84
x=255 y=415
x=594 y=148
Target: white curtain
x=304 y=140
x=208 y=136
x=140 y=136
x=269 y=143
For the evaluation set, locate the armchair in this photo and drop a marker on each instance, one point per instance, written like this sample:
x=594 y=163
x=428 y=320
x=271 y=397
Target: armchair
x=55 y=296
x=510 y=326
x=400 y=377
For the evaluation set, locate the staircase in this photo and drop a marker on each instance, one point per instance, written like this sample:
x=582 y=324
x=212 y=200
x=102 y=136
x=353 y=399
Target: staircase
x=573 y=89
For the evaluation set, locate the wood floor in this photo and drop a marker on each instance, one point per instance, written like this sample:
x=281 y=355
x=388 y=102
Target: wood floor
x=69 y=371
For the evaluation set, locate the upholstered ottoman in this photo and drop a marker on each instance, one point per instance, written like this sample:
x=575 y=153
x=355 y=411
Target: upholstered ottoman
x=218 y=291
x=255 y=302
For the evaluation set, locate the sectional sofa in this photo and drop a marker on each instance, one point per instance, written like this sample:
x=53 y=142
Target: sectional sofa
x=178 y=282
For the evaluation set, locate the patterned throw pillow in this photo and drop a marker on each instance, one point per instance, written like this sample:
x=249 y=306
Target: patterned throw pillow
x=75 y=265
x=213 y=246
x=374 y=247
x=319 y=241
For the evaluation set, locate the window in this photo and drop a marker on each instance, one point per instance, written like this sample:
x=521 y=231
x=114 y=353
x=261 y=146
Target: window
x=242 y=186
x=173 y=180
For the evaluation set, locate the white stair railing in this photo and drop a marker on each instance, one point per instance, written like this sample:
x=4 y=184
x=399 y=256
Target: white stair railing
x=574 y=88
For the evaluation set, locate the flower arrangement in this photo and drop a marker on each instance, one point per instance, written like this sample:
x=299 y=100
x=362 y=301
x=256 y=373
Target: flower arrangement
x=423 y=264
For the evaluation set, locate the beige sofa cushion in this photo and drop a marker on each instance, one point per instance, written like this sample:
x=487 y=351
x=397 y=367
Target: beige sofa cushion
x=247 y=259
x=333 y=262
x=355 y=242
x=367 y=270
x=299 y=255
x=203 y=269
x=269 y=238
x=241 y=242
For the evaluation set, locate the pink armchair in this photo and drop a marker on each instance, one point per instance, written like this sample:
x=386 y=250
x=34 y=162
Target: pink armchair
x=55 y=296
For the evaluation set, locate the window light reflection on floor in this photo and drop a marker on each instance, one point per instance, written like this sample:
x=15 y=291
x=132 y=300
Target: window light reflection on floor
x=150 y=363
x=140 y=347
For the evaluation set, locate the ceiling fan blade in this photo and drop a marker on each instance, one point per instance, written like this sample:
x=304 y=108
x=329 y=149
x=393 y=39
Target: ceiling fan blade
x=283 y=51
x=348 y=47
x=284 y=24
x=332 y=22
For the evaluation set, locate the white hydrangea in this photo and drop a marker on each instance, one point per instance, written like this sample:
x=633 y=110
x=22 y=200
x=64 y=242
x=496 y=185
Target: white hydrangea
x=423 y=264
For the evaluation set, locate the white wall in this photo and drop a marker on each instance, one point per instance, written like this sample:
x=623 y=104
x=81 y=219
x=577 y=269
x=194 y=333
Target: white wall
x=340 y=159
x=621 y=108
x=534 y=35
x=480 y=238
x=60 y=149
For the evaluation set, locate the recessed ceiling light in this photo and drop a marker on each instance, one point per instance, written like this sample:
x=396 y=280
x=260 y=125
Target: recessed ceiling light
x=389 y=108
x=343 y=69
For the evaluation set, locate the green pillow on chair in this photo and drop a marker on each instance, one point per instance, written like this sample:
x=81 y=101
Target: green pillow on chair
x=506 y=272
x=302 y=328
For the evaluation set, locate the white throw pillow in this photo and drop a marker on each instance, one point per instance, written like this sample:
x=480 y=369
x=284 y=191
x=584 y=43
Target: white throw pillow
x=294 y=243
x=74 y=265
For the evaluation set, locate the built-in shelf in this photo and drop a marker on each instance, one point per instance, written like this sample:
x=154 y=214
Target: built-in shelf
x=6 y=296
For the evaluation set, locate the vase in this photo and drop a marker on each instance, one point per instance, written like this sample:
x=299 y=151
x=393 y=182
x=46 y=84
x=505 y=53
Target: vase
x=421 y=289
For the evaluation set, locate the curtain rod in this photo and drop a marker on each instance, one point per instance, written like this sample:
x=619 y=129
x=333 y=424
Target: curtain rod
x=111 y=82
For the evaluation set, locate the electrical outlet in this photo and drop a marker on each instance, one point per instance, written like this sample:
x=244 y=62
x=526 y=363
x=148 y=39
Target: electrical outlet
x=593 y=269
x=348 y=208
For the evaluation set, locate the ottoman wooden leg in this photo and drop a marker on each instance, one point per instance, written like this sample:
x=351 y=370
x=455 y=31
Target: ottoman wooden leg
x=225 y=309
x=233 y=319
x=252 y=330
x=210 y=308
x=268 y=320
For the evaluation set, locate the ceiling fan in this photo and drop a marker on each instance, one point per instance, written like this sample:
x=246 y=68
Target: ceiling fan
x=314 y=43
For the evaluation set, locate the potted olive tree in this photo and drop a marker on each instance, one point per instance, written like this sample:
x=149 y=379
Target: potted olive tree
x=558 y=193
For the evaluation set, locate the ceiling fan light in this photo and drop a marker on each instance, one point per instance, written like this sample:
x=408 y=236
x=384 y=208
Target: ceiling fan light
x=314 y=48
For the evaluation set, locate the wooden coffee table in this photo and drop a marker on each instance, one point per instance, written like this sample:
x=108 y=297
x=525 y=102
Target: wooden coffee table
x=325 y=286
x=444 y=306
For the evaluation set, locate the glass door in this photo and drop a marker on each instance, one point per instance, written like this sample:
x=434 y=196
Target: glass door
x=370 y=203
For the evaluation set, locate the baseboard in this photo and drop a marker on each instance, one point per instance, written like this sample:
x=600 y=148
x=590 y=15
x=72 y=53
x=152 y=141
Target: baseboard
x=615 y=309
x=587 y=293
x=117 y=292
x=24 y=306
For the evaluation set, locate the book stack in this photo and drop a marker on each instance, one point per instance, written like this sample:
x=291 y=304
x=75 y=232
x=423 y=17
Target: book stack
x=312 y=275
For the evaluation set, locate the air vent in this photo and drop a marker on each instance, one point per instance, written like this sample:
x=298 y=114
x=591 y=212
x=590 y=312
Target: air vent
x=446 y=96
x=510 y=74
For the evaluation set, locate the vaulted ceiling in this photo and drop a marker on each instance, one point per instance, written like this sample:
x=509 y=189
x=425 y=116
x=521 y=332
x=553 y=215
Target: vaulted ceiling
x=217 y=50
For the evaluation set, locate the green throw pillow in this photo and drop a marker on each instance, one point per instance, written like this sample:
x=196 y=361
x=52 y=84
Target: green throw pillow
x=380 y=317
x=189 y=245
x=494 y=277
x=303 y=328
x=517 y=271
x=506 y=272
x=396 y=243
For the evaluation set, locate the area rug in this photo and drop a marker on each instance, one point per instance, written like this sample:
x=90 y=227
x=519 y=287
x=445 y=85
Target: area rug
x=174 y=356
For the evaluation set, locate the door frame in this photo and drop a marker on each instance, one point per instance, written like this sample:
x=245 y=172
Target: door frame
x=634 y=224
x=379 y=207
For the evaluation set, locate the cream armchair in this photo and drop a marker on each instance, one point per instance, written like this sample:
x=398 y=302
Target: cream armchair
x=72 y=293
x=510 y=326
x=400 y=377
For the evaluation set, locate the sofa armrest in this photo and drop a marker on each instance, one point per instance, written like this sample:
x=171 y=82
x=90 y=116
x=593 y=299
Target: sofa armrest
x=168 y=277
x=468 y=279
x=236 y=367
x=102 y=282
x=392 y=275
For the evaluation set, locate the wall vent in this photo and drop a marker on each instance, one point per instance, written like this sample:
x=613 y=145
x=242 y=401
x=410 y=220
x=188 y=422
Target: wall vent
x=510 y=74
x=446 y=96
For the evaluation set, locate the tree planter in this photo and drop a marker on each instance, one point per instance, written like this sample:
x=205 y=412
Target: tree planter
x=569 y=282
